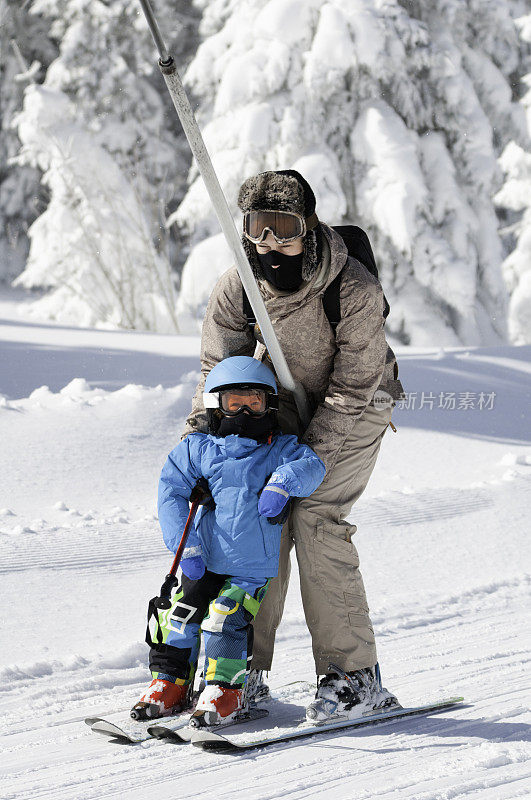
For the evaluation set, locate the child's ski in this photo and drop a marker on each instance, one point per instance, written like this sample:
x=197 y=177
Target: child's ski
x=133 y=732
x=212 y=741
x=185 y=735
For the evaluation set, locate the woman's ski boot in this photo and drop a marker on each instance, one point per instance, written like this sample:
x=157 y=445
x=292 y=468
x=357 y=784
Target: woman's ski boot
x=256 y=689
x=163 y=698
x=349 y=695
x=217 y=705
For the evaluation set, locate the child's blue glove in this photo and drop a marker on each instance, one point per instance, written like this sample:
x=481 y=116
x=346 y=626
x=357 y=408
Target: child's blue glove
x=192 y=564
x=273 y=501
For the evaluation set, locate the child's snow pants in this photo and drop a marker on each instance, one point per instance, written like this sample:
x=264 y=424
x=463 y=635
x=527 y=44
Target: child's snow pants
x=220 y=606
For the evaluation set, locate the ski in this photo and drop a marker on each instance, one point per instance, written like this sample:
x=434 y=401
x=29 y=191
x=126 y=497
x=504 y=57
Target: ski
x=113 y=732
x=130 y=733
x=178 y=736
x=209 y=740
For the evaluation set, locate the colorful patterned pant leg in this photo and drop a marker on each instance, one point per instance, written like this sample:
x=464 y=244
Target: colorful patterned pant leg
x=228 y=631
x=223 y=607
x=180 y=627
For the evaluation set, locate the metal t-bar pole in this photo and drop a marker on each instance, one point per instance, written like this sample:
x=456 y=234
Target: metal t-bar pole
x=226 y=221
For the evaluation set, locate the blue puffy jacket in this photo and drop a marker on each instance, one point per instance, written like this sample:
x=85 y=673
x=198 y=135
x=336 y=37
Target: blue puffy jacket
x=235 y=539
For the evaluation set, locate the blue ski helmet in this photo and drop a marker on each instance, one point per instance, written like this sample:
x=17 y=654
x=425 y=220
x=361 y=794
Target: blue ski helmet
x=240 y=371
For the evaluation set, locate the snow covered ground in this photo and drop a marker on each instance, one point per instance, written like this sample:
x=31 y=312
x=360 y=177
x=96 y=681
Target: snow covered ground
x=443 y=533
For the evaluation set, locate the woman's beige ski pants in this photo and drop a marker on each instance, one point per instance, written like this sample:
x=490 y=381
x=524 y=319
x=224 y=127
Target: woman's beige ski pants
x=332 y=590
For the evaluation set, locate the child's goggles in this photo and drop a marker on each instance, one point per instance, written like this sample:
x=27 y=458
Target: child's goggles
x=286 y=226
x=232 y=401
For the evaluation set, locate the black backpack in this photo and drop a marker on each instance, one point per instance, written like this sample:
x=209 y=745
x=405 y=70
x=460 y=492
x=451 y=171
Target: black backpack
x=358 y=247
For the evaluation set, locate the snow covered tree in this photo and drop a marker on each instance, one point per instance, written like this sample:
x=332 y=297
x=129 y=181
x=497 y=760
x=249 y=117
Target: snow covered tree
x=26 y=52
x=92 y=246
x=515 y=197
x=117 y=160
x=396 y=112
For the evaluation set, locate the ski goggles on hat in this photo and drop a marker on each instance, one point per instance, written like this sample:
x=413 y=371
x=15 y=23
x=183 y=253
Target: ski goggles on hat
x=285 y=226
x=255 y=401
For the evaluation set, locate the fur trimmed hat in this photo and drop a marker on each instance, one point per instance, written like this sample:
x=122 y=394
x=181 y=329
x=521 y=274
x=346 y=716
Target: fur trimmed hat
x=283 y=190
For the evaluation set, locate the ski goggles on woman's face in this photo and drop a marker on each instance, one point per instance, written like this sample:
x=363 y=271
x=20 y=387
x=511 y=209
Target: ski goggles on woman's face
x=285 y=226
x=232 y=401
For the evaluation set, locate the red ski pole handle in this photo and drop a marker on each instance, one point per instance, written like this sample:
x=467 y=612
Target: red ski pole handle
x=184 y=537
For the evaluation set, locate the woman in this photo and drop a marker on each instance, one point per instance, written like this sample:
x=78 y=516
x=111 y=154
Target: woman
x=294 y=257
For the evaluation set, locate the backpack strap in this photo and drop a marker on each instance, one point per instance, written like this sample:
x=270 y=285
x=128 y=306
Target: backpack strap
x=331 y=304
x=248 y=311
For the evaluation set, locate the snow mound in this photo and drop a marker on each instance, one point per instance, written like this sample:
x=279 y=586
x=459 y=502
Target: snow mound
x=78 y=394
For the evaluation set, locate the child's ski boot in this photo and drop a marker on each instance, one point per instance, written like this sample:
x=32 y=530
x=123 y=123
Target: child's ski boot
x=217 y=705
x=163 y=698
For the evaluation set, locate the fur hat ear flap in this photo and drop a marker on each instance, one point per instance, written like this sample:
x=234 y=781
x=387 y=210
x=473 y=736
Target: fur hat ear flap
x=312 y=254
x=250 y=252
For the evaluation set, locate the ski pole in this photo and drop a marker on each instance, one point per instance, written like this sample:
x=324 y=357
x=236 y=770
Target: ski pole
x=219 y=202
x=198 y=497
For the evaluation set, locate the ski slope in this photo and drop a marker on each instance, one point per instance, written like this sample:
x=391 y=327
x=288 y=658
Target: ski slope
x=443 y=534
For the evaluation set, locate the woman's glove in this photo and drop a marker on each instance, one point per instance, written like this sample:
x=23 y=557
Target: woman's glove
x=192 y=564
x=273 y=502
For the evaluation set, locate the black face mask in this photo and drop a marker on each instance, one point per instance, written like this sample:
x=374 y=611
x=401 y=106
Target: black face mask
x=288 y=275
x=243 y=424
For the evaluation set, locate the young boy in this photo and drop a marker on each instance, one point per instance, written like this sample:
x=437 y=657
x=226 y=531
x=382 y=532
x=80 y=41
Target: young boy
x=252 y=470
